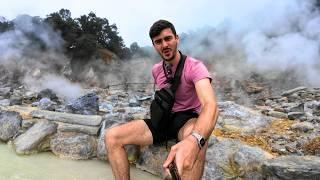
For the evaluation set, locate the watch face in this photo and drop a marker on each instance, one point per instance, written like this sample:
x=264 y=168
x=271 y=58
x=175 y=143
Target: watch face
x=202 y=142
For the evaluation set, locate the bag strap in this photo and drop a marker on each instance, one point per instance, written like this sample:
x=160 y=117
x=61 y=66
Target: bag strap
x=178 y=73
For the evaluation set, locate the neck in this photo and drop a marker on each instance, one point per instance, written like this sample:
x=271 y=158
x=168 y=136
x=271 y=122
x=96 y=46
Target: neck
x=176 y=59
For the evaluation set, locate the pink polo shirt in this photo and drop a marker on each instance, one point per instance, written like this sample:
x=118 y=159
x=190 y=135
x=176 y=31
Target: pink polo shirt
x=186 y=95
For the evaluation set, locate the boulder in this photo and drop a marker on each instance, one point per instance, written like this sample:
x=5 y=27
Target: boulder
x=289 y=92
x=4 y=102
x=302 y=126
x=36 y=138
x=65 y=127
x=47 y=104
x=89 y=120
x=151 y=159
x=292 y=167
x=295 y=107
x=236 y=117
x=296 y=115
x=73 y=145
x=5 y=92
x=10 y=123
x=229 y=159
x=87 y=105
x=277 y=114
x=15 y=100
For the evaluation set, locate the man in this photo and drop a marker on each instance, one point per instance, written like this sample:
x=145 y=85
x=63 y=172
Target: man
x=194 y=113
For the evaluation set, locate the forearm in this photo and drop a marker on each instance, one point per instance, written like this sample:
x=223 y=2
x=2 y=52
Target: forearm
x=207 y=119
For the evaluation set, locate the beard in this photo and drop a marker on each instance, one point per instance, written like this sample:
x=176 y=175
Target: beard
x=172 y=56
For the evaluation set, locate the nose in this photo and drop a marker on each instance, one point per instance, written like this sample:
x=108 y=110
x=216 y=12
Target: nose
x=164 y=44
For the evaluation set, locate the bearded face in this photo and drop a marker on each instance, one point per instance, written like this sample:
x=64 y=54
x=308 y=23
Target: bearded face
x=166 y=44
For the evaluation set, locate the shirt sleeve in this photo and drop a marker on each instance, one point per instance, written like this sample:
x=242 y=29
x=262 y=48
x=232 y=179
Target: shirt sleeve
x=198 y=72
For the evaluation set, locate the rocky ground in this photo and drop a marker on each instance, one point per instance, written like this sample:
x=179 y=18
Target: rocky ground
x=275 y=137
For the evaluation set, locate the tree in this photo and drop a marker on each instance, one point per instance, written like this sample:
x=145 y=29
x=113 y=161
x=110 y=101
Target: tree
x=6 y=26
x=68 y=28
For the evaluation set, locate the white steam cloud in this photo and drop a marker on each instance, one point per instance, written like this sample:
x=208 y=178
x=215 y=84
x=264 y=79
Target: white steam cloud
x=37 y=65
x=61 y=86
x=274 y=38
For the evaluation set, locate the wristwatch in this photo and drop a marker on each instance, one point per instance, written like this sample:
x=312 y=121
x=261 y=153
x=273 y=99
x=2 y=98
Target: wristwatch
x=200 y=140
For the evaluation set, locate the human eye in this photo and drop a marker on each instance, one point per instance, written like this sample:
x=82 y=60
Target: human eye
x=168 y=38
x=158 y=41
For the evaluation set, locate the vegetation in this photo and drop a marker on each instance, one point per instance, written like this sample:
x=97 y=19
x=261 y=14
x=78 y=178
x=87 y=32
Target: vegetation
x=83 y=36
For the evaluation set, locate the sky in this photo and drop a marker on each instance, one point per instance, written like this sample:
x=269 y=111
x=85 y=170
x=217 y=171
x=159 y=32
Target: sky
x=134 y=17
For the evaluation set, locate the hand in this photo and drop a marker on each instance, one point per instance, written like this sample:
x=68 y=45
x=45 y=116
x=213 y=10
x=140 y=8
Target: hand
x=184 y=153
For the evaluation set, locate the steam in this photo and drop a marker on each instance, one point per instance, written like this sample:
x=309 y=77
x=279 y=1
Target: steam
x=61 y=86
x=118 y=74
x=37 y=66
x=278 y=37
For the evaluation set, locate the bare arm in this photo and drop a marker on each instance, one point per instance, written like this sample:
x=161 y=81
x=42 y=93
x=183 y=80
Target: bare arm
x=209 y=111
x=186 y=151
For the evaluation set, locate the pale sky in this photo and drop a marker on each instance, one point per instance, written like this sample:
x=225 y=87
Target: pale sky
x=134 y=18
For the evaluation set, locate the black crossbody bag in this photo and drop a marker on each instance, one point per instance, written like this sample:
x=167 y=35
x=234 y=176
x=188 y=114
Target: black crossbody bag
x=162 y=104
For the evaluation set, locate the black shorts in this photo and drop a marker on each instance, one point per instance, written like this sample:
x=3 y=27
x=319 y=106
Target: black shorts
x=178 y=119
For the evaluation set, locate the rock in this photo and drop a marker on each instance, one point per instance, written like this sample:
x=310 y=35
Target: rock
x=24 y=111
x=5 y=92
x=106 y=106
x=34 y=139
x=73 y=145
x=47 y=93
x=279 y=148
x=295 y=107
x=293 y=98
x=30 y=96
x=114 y=119
x=47 y=104
x=65 y=127
x=89 y=120
x=296 y=115
x=139 y=116
x=151 y=159
x=26 y=124
x=230 y=159
x=302 y=126
x=101 y=149
x=133 y=152
x=15 y=100
x=312 y=147
x=292 y=167
x=143 y=98
x=250 y=158
x=277 y=114
x=241 y=118
x=218 y=159
x=289 y=92
x=4 y=102
x=10 y=123
x=291 y=147
x=133 y=102
x=87 y=105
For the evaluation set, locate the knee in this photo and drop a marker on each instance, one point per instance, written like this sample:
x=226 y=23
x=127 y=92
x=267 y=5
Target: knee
x=111 y=138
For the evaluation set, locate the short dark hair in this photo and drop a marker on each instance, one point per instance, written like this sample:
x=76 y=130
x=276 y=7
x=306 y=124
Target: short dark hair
x=160 y=25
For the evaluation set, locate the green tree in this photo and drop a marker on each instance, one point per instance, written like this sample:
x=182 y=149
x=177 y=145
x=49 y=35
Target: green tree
x=6 y=26
x=68 y=28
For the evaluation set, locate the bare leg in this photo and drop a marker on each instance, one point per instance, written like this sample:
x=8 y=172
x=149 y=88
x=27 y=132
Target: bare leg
x=134 y=132
x=197 y=170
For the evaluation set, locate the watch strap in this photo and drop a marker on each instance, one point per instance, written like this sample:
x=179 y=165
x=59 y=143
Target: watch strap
x=200 y=140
